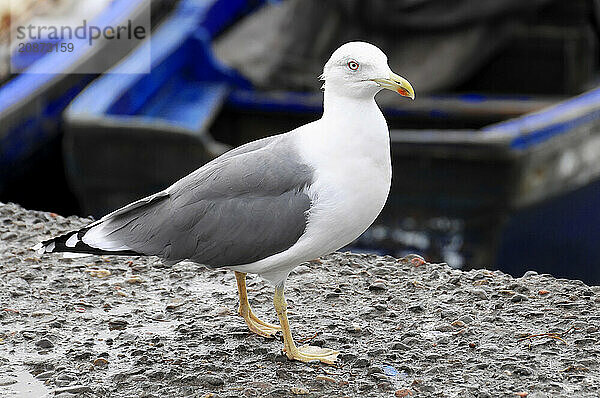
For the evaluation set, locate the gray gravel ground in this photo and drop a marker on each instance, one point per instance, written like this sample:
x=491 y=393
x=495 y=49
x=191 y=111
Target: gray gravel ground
x=131 y=327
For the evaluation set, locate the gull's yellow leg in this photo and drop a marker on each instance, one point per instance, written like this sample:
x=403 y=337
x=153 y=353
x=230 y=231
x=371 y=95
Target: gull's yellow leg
x=254 y=324
x=304 y=353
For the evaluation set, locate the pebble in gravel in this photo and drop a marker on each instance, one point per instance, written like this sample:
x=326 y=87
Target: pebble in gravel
x=44 y=343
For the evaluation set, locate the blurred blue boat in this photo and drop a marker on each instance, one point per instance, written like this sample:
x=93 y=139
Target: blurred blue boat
x=31 y=103
x=505 y=181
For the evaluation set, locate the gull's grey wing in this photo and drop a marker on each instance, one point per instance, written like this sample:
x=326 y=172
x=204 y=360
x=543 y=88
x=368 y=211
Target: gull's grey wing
x=246 y=205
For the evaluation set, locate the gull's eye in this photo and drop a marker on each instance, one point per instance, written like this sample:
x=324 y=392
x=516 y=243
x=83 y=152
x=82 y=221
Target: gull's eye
x=353 y=65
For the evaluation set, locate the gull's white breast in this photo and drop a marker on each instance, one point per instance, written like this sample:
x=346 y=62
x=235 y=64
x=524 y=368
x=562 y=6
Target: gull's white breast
x=352 y=181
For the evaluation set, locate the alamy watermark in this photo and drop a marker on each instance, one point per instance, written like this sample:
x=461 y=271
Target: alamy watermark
x=91 y=36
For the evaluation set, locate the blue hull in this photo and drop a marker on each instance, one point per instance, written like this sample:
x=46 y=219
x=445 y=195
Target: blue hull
x=559 y=236
x=31 y=105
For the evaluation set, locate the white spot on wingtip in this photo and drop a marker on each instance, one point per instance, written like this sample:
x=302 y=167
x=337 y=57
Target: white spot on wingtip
x=72 y=241
x=39 y=248
x=50 y=247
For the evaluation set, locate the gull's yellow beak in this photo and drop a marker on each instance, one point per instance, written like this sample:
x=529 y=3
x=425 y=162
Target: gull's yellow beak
x=398 y=84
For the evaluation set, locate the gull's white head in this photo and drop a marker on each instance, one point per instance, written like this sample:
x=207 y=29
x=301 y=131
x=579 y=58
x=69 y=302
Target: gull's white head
x=358 y=69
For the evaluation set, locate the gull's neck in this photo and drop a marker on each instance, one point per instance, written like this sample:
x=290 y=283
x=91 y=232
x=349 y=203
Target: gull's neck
x=340 y=107
x=358 y=118
x=351 y=139
x=351 y=128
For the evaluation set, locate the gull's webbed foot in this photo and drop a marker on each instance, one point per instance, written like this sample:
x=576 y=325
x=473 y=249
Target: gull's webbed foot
x=257 y=326
x=307 y=353
x=254 y=324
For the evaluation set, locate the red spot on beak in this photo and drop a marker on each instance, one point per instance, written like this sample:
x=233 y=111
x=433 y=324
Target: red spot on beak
x=403 y=92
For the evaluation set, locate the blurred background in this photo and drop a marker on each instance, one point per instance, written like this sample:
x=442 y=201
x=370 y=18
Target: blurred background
x=496 y=163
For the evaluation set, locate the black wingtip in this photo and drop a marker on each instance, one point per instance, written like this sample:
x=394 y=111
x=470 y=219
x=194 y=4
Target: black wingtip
x=72 y=242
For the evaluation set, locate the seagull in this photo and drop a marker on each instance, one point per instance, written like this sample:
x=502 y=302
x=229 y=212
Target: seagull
x=268 y=206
